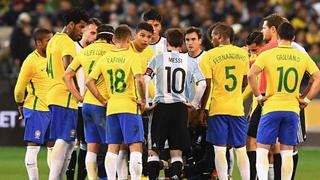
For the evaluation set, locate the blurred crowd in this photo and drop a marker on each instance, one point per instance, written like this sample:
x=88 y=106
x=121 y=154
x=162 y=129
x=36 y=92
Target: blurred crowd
x=244 y=16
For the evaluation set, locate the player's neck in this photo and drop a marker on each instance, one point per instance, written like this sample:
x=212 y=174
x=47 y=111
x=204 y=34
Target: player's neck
x=224 y=42
x=177 y=49
x=284 y=42
x=136 y=47
x=122 y=46
x=154 y=40
x=42 y=53
x=194 y=53
x=83 y=43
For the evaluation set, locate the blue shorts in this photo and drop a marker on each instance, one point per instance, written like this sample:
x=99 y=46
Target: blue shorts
x=125 y=127
x=280 y=124
x=227 y=130
x=37 y=126
x=63 y=123
x=94 y=120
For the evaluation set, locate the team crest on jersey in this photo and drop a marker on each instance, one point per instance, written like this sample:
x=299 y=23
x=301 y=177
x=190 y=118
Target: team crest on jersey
x=37 y=134
x=72 y=133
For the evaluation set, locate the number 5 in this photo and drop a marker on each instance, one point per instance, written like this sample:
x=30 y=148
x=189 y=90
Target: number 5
x=230 y=76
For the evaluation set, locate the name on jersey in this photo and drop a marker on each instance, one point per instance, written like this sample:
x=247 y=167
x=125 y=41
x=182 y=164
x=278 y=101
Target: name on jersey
x=287 y=57
x=116 y=60
x=94 y=52
x=229 y=56
x=175 y=60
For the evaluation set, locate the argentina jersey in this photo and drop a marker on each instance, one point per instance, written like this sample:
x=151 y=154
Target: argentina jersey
x=160 y=46
x=174 y=73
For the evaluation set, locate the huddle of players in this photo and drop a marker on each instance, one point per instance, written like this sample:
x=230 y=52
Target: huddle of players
x=121 y=75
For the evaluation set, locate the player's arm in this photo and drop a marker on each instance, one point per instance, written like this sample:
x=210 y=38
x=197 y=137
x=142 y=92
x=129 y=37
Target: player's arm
x=91 y=84
x=68 y=76
x=141 y=86
x=24 y=78
x=201 y=83
x=252 y=79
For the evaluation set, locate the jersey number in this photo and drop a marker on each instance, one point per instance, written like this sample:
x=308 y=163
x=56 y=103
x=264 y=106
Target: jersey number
x=171 y=82
x=119 y=76
x=231 y=76
x=283 y=79
x=91 y=66
x=49 y=68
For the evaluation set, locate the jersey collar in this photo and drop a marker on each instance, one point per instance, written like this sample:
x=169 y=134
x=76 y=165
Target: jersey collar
x=284 y=46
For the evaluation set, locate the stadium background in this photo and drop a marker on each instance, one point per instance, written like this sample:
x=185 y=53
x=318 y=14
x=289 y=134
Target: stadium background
x=19 y=17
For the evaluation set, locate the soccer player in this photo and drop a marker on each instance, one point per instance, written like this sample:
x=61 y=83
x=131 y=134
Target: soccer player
x=226 y=65
x=158 y=43
x=284 y=67
x=174 y=72
x=139 y=45
x=121 y=69
x=93 y=111
x=63 y=106
x=34 y=108
x=89 y=36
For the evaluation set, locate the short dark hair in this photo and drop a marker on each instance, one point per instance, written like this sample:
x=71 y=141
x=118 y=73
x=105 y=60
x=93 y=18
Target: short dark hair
x=144 y=26
x=75 y=15
x=39 y=33
x=209 y=32
x=224 y=30
x=106 y=32
x=152 y=14
x=274 y=20
x=122 y=32
x=255 y=37
x=286 y=31
x=193 y=29
x=174 y=37
x=95 y=21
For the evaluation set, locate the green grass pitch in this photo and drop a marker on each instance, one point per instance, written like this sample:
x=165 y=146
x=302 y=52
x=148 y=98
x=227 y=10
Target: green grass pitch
x=12 y=164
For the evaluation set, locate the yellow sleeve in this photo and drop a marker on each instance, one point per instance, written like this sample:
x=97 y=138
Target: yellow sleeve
x=96 y=72
x=259 y=61
x=246 y=68
x=69 y=48
x=311 y=66
x=75 y=64
x=25 y=76
x=205 y=66
x=136 y=64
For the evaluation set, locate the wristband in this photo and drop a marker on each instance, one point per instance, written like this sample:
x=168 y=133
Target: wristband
x=258 y=98
x=306 y=100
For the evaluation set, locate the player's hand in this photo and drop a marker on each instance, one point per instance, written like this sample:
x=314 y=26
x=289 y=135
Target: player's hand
x=142 y=105
x=20 y=111
x=203 y=117
x=105 y=102
x=302 y=102
x=193 y=117
x=149 y=108
x=264 y=98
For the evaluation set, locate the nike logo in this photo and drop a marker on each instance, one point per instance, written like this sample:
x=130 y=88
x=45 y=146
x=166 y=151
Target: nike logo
x=28 y=164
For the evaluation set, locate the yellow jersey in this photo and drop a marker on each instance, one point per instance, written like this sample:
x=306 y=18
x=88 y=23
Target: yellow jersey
x=146 y=56
x=59 y=46
x=226 y=66
x=88 y=57
x=118 y=68
x=33 y=76
x=284 y=67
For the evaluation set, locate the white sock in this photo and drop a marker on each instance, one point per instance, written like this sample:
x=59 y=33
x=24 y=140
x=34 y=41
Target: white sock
x=110 y=164
x=70 y=148
x=58 y=156
x=231 y=163
x=287 y=164
x=243 y=163
x=49 y=151
x=262 y=163
x=221 y=162
x=122 y=165
x=91 y=164
x=135 y=165
x=271 y=172
x=31 y=162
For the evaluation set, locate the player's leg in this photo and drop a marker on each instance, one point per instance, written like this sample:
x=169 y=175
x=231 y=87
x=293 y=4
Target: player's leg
x=122 y=162
x=217 y=134
x=267 y=134
x=114 y=138
x=254 y=120
x=276 y=159
x=288 y=138
x=237 y=138
x=132 y=130
x=63 y=125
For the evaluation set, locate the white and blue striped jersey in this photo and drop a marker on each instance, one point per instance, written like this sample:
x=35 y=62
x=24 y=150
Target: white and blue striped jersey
x=160 y=46
x=192 y=92
x=174 y=73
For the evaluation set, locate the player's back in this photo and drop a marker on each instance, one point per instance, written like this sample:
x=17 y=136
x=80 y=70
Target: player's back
x=284 y=67
x=60 y=45
x=119 y=68
x=229 y=64
x=174 y=74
